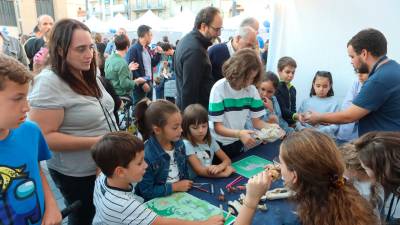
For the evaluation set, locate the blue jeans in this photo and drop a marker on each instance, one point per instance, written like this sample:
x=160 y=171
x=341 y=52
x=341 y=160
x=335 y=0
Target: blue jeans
x=73 y=189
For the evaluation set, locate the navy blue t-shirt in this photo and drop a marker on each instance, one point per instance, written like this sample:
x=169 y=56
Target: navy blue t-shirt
x=381 y=96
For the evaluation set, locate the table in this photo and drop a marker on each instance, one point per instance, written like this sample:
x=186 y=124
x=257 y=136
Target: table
x=279 y=211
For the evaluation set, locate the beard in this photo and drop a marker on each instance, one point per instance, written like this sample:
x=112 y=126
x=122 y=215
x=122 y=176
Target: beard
x=363 y=68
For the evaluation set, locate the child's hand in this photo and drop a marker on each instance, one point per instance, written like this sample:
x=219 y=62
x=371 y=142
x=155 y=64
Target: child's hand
x=256 y=187
x=246 y=138
x=215 y=169
x=215 y=220
x=273 y=119
x=228 y=171
x=183 y=185
x=268 y=104
x=52 y=216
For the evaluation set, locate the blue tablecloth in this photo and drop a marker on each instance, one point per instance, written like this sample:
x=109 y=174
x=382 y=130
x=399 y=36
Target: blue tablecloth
x=279 y=211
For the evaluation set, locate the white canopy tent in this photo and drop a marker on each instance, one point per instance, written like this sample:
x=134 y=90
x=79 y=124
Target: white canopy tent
x=96 y=25
x=181 y=22
x=149 y=19
x=119 y=21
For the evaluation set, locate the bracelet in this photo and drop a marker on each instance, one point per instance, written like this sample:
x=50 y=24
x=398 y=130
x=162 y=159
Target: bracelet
x=238 y=134
x=247 y=206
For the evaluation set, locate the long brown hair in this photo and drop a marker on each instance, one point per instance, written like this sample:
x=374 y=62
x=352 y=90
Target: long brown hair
x=59 y=43
x=194 y=114
x=322 y=195
x=380 y=151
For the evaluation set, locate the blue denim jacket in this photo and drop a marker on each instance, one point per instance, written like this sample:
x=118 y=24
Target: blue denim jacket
x=154 y=183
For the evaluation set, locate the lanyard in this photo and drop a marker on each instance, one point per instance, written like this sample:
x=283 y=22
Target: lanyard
x=377 y=64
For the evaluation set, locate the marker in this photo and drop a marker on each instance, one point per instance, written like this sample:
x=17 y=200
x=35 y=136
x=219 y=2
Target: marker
x=212 y=188
x=229 y=214
x=200 y=189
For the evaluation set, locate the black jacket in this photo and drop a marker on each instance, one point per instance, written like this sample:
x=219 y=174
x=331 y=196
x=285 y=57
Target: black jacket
x=135 y=54
x=193 y=70
x=287 y=101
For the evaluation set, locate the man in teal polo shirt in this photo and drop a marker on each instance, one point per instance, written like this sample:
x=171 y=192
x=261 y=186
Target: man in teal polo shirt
x=377 y=106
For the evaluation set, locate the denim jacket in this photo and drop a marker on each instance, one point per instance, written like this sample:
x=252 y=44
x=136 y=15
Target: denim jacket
x=154 y=183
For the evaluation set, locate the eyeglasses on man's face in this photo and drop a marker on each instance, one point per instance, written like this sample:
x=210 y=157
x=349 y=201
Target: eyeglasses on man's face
x=217 y=29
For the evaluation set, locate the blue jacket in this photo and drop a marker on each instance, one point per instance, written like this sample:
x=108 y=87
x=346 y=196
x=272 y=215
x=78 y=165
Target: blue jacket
x=218 y=54
x=135 y=54
x=154 y=183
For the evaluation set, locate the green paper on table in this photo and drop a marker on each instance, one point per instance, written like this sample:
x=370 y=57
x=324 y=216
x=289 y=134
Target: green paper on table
x=250 y=166
x=182 y=205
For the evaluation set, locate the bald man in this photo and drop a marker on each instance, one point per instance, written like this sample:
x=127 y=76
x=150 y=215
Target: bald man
x=219 y=53
x=33 y=45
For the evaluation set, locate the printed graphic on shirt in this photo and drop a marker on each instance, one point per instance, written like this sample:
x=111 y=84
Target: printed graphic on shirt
x=19 y=202
x=204 y=157
x=173 y=173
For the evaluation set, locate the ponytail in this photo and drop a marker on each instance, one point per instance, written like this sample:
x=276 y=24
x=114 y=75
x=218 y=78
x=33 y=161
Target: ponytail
x=140 y=122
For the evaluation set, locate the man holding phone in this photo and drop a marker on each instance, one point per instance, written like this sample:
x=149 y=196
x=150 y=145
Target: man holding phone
x=140 y=53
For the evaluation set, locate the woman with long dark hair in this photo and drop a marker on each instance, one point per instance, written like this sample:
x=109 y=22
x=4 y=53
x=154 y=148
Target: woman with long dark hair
x=74 y=111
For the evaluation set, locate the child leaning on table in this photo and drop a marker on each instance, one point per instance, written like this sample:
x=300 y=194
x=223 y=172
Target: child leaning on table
x=201 y=146
x=120 y=156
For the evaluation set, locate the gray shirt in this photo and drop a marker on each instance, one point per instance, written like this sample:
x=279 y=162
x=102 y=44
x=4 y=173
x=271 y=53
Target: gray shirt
x=83 y=117
x=13 y=48
x=147 y=63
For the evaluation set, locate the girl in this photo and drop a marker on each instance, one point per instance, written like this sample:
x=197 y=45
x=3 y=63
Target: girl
x=356 y=174
x=348 y=132
x=201 y=146
x=164 y=151
x=267 y=88
x=379 y=153
x=74 y=111
x=322 y=194
x=321 y=100
x=233 y=99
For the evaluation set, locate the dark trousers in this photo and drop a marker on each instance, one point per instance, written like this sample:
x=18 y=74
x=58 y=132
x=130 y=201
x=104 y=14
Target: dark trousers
x=232 y=150
x=138 y=93
x=73 y=189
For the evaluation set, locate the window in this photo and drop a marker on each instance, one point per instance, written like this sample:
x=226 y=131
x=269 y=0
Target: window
x=7 y=13
x=44 y=7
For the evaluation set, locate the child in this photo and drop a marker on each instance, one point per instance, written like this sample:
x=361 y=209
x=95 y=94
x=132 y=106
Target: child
x=201 y=146
x=164 y=151
x=120 y=157
x=321 y=100
x=379 y=153
x=349 y=132
x=233 y=99
x=356 y=174
x=267 y=88
x=25 y=193
x=312 y=167
x=286 y=93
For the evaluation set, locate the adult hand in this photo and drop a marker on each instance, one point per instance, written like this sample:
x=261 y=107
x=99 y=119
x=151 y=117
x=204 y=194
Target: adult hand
x=214 y=220
x=158 y=49
x=140 y=80
x=183 y=185
x=146 y=87
x=312 y=118
x=133 y=66
x=52 y=216
x=256 y=187
x=246 y=138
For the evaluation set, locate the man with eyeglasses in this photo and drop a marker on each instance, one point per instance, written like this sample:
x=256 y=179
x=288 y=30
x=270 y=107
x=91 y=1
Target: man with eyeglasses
x=192 y=64
x=219 y=53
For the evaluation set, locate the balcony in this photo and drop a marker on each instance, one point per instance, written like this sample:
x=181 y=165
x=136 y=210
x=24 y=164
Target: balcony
x=144 y=5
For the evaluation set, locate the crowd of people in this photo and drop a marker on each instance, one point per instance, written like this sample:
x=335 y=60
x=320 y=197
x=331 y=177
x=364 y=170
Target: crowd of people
x=60 y=97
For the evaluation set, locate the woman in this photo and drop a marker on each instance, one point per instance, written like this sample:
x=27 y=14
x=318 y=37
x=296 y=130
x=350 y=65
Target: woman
x=312 y=167
x=74 y=110
x=379 y=153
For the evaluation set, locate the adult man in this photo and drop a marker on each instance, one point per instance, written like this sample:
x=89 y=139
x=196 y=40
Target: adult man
x=252 y=22
x=192 y=65
x=140 y=53
x=110 y=48
x=11 y=47
x=219 y=53
x=33 y=45
x=377 y=106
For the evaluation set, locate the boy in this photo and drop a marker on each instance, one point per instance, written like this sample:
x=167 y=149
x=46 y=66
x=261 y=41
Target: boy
x=286 y=92
x=25 y=196
x=120 y=156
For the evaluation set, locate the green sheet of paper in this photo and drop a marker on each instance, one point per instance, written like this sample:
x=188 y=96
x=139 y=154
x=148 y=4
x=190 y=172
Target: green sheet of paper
x=182 y=205
x=250 y=166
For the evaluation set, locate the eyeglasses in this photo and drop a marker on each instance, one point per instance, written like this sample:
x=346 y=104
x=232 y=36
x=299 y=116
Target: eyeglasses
x=217 y=29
